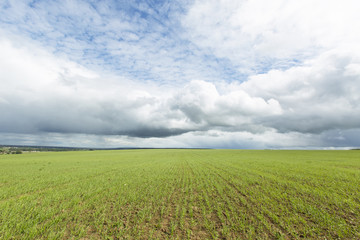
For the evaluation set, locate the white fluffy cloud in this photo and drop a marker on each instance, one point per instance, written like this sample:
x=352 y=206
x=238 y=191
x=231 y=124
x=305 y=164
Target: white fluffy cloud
x=202 y=105
x=259 y=33
x=318 y=96
x=251 y=74
x=56 y=95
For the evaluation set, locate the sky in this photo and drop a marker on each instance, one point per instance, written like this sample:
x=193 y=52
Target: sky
x=247 y=74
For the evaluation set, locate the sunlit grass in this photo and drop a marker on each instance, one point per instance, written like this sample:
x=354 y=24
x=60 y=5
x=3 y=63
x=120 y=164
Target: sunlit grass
x=194 y=194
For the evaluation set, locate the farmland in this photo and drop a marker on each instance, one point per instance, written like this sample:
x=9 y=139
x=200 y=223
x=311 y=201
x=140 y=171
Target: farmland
x=180 y=194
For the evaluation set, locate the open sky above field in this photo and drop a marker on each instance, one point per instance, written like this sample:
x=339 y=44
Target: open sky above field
x=219 y=74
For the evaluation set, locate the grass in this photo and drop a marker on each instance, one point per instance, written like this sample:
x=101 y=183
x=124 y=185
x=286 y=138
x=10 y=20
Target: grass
x=180 y=194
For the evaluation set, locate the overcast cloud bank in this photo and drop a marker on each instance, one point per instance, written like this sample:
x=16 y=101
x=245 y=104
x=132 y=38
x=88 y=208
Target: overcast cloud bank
x=223 y=74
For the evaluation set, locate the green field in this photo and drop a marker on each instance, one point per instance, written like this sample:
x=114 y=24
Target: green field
x=180 y=194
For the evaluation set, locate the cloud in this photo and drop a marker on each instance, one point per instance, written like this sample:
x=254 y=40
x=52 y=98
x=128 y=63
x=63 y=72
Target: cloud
x=67 y=98
x=64 y=97
x=202 y=105
x=316 y=97
x=135 y=40
x=261 y=35
x=228 y=74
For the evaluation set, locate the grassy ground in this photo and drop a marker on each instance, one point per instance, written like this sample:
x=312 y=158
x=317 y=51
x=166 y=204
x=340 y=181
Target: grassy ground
x=194 y=194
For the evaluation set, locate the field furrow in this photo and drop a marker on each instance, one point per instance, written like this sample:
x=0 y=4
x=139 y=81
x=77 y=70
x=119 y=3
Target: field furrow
x=180 y=194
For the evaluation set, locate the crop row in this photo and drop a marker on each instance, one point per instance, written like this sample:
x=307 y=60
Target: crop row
x=180 y=194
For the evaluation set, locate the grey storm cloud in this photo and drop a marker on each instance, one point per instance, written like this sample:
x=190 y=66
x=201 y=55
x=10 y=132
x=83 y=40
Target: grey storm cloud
x=307 y=107
x=306 y=99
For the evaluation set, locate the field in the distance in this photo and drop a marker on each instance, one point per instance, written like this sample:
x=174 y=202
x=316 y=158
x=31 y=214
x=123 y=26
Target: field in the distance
x=194 y=194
